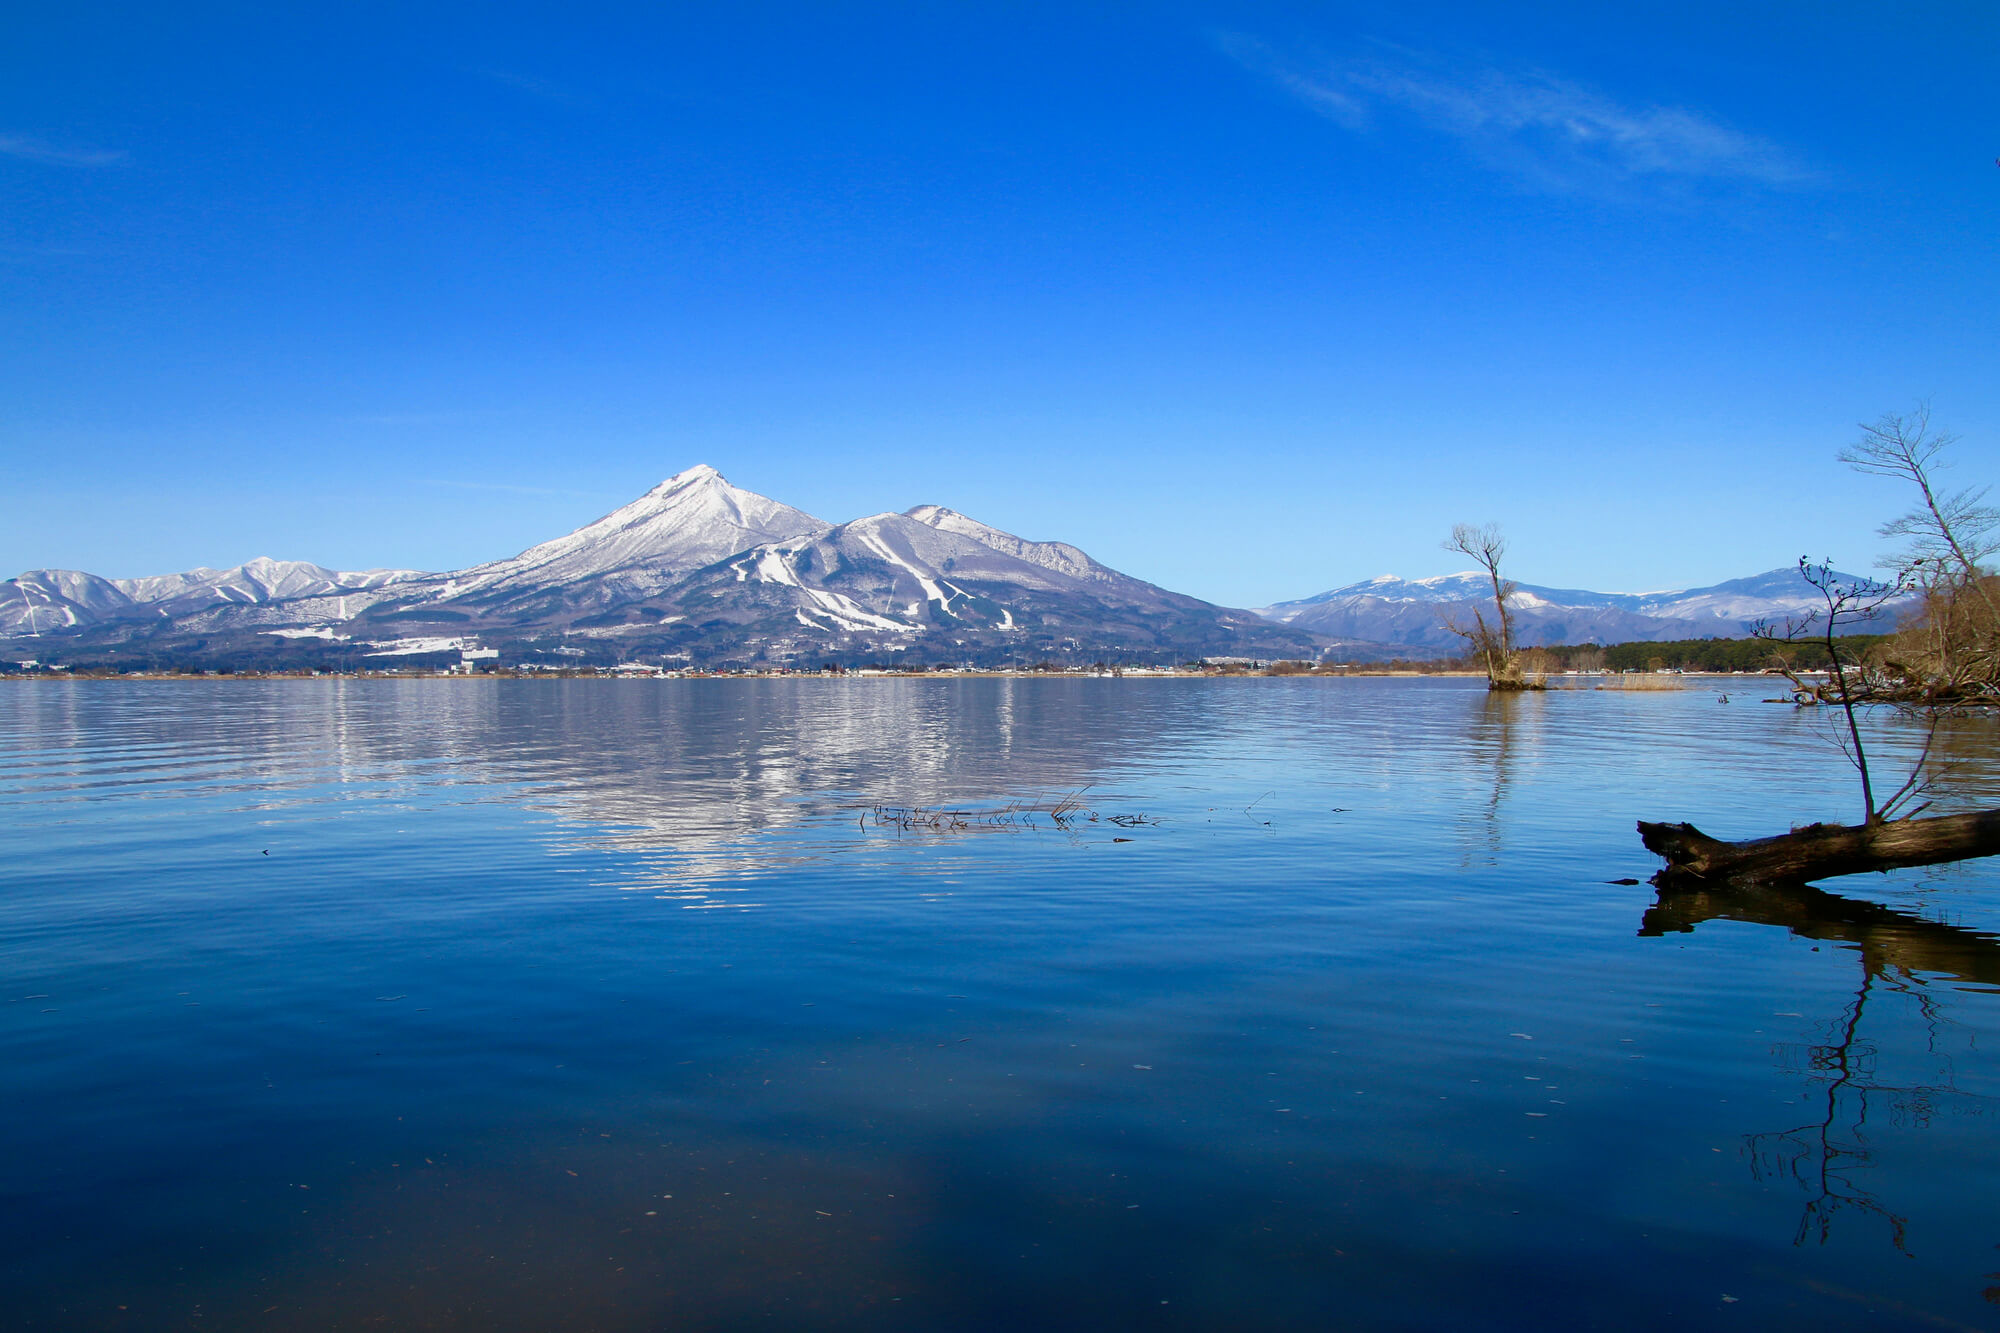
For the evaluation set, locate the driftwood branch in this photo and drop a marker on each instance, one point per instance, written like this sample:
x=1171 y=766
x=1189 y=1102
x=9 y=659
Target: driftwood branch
x=1820 y=851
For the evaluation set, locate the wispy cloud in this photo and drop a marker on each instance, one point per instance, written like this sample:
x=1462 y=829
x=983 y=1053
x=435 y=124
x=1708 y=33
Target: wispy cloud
x=30 y=148
x=1552 y=132
x=546 y=90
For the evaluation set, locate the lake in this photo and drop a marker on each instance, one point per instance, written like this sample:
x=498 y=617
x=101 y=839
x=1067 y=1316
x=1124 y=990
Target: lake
x=1255 y=1003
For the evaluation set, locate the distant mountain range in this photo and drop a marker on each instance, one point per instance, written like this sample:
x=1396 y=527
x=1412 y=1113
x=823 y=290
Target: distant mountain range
x=44 y=601
x=699 y=570
x=1413 y=613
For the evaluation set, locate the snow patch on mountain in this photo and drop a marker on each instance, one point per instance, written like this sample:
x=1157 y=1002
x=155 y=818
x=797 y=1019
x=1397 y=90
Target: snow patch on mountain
x=417 y=646
x=326 y=632
x=770 y=565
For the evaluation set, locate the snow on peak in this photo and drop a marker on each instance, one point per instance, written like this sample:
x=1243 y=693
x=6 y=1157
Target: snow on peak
x=693 y=518
x=700 y=472
x=1059 y=557
x=1382 y=608
x=254 y=581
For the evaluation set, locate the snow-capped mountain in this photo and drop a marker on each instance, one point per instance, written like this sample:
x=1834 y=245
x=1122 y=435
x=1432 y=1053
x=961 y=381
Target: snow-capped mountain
x=701 y=570
x=1413 y=613
x=1772 y=594
x=1058 y=556
x=696 y=567
x=687 y=521
x=893 y=578
x=44 y=600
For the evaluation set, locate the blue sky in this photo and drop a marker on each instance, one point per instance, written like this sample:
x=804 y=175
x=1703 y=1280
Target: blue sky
x=1249 y=300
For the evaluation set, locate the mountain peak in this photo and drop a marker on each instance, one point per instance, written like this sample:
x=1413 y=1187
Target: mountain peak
x=694 y=476
x=1059 y=557
x=691 y=519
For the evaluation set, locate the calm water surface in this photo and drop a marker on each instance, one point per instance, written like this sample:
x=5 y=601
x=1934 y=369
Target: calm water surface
x=519 y=1005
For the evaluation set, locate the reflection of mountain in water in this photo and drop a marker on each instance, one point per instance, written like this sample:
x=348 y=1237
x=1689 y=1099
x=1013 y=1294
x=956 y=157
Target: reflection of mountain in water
x=699 y=777
x=694 y=775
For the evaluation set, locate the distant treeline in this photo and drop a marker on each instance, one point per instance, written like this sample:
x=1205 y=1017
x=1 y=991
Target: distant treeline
x=1695 y=655
x=1670 y=655
x=292 y=655
x=1727 y=654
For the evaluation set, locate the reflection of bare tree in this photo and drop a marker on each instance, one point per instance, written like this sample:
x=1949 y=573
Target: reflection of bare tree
x=1823 y=1154
x=1827 y=1154
x=1491 y=742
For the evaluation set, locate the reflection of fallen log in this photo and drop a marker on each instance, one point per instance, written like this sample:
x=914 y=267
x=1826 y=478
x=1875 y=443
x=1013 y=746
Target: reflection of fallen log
x=1820 y=851
x=1888 y=940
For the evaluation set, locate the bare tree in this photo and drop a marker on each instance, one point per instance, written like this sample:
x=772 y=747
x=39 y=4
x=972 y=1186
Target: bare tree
x=1846 y=603
x=1493 y=642
x=1949 y=651
x=1955 y=531
x=1943 y=659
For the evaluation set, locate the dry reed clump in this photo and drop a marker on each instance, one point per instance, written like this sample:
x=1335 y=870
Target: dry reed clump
x=1065 y=812
x=1948 y=650
x=1644 y=680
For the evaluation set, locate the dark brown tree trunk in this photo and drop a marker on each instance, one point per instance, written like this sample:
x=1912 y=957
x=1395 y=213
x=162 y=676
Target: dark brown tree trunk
x=1820 y=851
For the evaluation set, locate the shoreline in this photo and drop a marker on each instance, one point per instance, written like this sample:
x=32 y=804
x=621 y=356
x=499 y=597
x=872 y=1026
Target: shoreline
x=1661 y=680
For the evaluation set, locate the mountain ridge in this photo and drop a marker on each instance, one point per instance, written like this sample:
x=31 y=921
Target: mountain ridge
x=695 y=567
x=1413 y=612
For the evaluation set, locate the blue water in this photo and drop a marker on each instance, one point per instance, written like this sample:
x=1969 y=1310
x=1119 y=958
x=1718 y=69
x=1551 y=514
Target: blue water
x=634 y=1004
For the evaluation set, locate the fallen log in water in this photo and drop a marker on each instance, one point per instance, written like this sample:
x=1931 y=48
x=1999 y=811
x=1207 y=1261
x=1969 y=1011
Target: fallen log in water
x=1820 y=851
